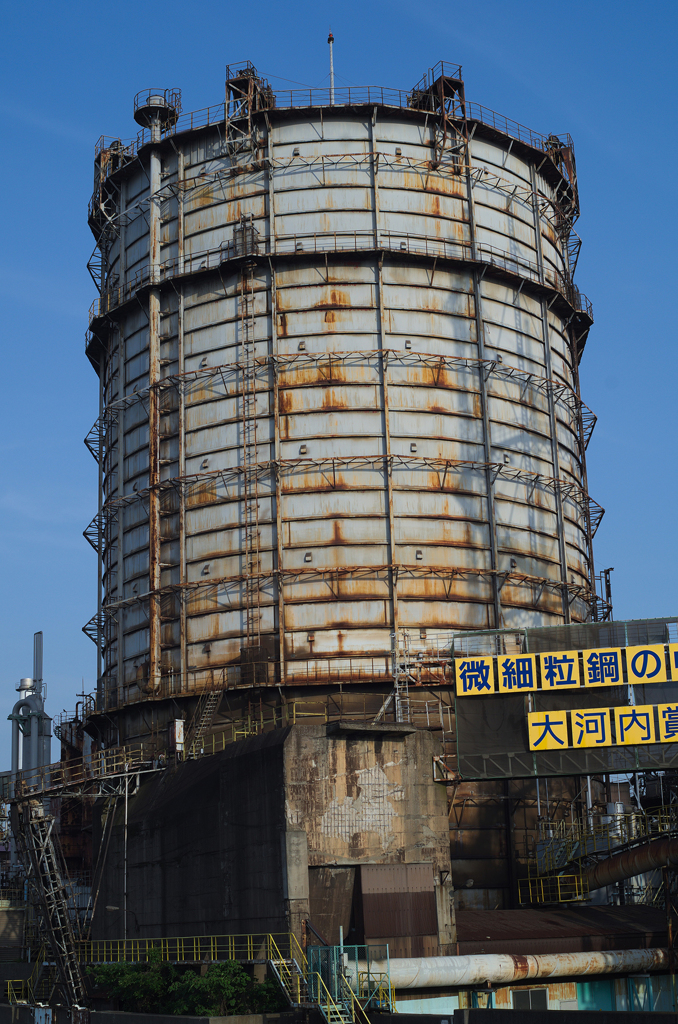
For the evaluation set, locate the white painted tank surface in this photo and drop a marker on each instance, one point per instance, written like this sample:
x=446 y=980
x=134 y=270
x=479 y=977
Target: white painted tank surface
x=338 y=350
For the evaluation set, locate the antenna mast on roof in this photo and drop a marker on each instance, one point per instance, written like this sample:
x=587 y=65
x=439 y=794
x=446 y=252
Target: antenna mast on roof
x=330 y=40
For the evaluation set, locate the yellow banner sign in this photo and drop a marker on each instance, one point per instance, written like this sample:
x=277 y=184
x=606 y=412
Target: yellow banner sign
x=479 y=675
x=627 y=726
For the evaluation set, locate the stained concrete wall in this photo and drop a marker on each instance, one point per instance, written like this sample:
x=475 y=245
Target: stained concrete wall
x=225 y=844
x=204 y=848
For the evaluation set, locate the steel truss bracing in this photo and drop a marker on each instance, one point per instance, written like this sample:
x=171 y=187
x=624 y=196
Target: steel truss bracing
x=235 y=379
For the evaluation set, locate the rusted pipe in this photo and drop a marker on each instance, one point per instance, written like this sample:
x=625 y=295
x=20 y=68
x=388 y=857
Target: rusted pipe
x=637 y=861
x=477 y=969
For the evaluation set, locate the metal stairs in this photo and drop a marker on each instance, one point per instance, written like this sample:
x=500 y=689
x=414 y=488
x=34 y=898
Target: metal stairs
x=202 y=720
x=306 y=990
x=37 y=845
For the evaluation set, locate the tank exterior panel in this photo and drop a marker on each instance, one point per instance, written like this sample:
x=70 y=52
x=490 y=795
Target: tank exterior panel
x=340 y=389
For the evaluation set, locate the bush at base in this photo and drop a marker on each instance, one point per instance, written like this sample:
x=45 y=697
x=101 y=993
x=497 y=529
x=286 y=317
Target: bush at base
x=225 y=989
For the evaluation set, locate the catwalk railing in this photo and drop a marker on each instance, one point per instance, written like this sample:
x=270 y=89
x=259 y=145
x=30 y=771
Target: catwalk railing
x=564 y=842
x=346 y=241
x=346 y=97
x=118 y=762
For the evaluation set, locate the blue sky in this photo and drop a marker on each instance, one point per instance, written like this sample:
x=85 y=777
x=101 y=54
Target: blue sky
x=604 y=72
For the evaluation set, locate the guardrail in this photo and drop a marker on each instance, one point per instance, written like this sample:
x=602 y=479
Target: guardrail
x=563 y=842
x=342 y=241
x=344 y=97
x=553 y=889
x=188 y=948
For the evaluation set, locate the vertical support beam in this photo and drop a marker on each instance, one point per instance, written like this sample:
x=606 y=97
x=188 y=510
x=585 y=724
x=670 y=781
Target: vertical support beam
x=553 y=420
x=101 y=631
x=154 y=428
x=181 y=230
x=584 y=474
x=482 y=387
x=276 y=408
x=384 y=382
x=120 y=612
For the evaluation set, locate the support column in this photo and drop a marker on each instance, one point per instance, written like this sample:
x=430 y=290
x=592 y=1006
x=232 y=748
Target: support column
x=181 y=229
x=553 y=421
x=482 y=387
x=384 y=382
x=154 y=428
x=120 y=481
x=276 y=407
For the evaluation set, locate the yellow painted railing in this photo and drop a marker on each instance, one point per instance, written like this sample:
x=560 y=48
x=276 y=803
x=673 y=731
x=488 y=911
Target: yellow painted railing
x=382 y=992
x=23 y=990
x=187 y=948
x=282 y=949
x=316 y=989
x=553 y=889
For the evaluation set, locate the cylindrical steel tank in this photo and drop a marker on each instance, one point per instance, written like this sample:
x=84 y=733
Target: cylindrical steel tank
x=338 y=351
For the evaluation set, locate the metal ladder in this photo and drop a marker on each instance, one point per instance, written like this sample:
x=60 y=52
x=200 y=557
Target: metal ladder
x=37 y=845
x=250 y=514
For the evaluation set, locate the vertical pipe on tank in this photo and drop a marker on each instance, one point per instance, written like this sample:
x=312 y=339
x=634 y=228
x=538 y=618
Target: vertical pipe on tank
x=16 y=733
x=553 y=420
x=120 y=481
x=276 y=405
x=384 y=386
x=482 y=385
x=181 y=231
x=35 y=740
x=154 y=419
x=101 y=683
x=330 y=40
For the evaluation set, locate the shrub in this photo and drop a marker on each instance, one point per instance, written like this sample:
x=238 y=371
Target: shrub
x=225 y=989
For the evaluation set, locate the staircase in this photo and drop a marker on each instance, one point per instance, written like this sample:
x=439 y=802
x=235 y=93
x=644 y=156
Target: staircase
x=292 y=982
x=306 y=989
x=42 y=860
x=202 y=721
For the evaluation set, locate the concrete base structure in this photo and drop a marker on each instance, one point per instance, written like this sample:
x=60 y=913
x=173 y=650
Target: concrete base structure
x=257 y=838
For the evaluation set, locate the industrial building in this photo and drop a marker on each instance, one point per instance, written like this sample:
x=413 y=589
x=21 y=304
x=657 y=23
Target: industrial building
x=343 y=521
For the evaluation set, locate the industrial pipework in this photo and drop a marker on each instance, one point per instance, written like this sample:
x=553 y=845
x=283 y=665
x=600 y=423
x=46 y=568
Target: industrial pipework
x=648 y=857
x=31 y=726
x=502 y=968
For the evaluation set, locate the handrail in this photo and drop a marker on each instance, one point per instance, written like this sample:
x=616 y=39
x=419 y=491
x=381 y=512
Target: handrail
x=348 y=996
x=99 y=765
x=186 y=948
x=569 y=841
x=351 y=96
x=571 y=888
x=26 y=991
x=342 y=241
x=315 y=985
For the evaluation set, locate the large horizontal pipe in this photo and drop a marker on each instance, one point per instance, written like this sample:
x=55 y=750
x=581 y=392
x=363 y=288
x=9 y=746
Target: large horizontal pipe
x=476 y=969
x=633 y=862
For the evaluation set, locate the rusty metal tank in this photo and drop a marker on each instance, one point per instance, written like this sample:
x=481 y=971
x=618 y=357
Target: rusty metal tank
x=337 y=340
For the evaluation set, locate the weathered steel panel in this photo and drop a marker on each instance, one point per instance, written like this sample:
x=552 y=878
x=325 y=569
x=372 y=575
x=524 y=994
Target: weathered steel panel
x=380 y=363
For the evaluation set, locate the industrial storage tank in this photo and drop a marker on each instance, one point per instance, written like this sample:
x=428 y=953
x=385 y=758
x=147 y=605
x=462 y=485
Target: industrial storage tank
x=337 y=341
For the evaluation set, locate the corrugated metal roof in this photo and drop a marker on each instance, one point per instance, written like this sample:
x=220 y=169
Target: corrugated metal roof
x=564 y=930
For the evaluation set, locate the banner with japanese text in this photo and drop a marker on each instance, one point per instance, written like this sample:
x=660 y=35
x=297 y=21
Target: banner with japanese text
x=480 y=675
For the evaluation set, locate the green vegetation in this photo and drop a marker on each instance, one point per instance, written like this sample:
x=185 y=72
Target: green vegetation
x=224 y=989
